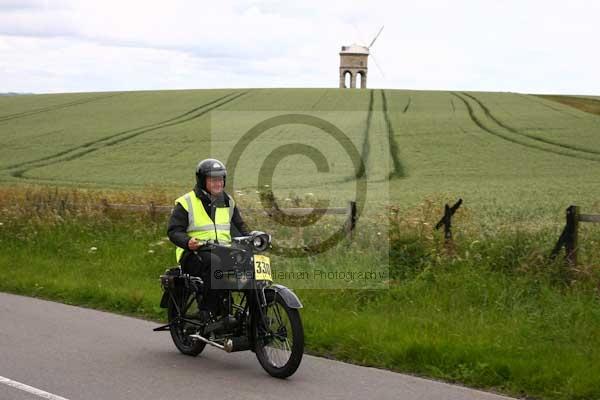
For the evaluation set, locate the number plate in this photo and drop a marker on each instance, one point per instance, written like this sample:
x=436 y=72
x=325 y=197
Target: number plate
x=262 y=268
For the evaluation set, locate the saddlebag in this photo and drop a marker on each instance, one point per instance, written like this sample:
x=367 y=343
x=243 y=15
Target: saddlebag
x=172 y=278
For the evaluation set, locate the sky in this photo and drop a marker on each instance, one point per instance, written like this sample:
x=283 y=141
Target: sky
x=526 y=46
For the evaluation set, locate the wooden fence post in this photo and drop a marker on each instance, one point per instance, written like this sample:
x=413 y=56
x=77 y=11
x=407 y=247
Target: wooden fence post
x=447 y=224
x=571 y=235
x=446 y=221
x=351 y=221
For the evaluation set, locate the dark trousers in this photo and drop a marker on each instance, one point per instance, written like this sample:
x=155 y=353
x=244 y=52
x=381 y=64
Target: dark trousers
x=201 y=264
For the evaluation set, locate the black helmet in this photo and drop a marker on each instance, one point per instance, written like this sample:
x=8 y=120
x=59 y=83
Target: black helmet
x=209 y=167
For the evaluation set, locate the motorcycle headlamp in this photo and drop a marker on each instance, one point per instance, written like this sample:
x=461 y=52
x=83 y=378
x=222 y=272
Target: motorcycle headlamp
x=261 y=241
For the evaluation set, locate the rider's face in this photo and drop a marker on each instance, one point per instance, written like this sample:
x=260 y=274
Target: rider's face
x=214 y=184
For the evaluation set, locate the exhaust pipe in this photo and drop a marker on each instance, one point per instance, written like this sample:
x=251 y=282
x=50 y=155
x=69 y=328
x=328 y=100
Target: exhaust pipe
x=207 y=341
x=236 y=344
x=230 y=345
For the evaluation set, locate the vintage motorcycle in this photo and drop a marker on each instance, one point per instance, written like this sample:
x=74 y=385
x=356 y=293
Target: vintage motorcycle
x=253 y=313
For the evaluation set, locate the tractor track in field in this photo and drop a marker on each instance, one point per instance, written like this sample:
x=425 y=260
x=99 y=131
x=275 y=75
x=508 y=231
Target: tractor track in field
x=398 y=171
x=361 y=173
x=121 y=133
x=501 y=135
x=514 y=130
x=24 y=114
x=120 y=137
x=407 y=105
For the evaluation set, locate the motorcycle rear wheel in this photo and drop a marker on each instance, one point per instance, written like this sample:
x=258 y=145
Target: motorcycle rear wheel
x=180 y=331
x=279 y=347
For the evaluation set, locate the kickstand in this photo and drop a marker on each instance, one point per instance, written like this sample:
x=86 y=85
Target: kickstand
x=163 y=328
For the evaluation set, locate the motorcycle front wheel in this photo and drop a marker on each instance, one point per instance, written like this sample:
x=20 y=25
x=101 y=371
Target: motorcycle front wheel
x=280 y=344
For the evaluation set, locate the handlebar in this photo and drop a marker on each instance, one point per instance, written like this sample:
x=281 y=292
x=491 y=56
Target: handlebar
x=259 y=241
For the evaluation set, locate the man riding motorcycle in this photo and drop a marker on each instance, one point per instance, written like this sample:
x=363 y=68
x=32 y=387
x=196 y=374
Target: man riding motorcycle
x=205 y=213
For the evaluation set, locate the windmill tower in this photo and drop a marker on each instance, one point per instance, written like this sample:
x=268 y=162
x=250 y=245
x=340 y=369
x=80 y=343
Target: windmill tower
x=353 y=62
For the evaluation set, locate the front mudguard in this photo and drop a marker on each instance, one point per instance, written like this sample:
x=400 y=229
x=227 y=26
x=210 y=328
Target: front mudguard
x=289 y=297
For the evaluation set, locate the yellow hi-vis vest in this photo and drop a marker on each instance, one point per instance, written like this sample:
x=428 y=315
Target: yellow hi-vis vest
x=200 y=226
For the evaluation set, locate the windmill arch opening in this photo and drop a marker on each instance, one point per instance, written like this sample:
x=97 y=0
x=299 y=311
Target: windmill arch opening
x=347 y=79
x=359 y=79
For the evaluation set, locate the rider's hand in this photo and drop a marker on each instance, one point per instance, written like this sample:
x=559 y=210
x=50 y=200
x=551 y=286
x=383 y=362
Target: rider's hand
x=194 y=244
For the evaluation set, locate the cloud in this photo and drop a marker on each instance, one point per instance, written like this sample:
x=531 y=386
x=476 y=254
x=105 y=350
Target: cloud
x=12 y=5
x=72 y=45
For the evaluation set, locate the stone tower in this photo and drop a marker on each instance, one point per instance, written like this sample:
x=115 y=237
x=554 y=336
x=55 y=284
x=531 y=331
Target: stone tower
x=353 y=61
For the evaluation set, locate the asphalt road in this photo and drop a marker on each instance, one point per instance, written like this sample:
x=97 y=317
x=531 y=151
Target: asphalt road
x=76 y=353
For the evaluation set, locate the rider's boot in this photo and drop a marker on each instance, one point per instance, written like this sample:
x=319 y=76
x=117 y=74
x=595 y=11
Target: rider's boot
x=203 y=313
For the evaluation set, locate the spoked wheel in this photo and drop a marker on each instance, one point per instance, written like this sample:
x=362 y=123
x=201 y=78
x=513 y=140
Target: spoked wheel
x=180 y=330
x=280 y=344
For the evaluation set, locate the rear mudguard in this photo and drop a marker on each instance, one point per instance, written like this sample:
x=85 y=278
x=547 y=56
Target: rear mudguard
x=164 y=301
x=286 y=294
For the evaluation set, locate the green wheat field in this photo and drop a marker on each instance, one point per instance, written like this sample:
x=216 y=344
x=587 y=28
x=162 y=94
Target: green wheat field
x=498 y=151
